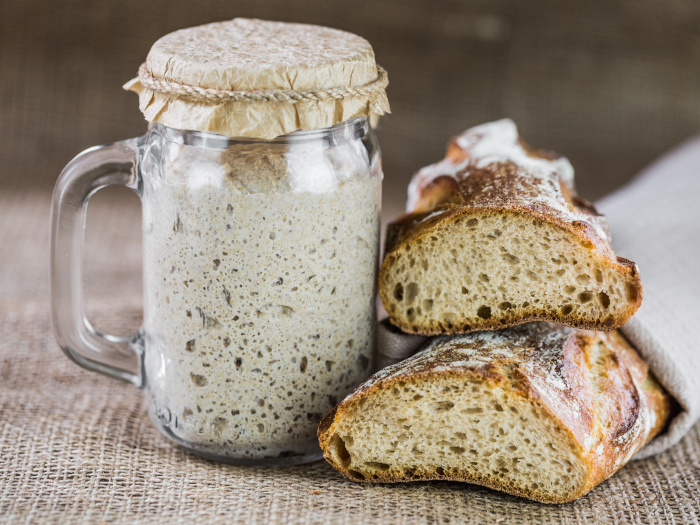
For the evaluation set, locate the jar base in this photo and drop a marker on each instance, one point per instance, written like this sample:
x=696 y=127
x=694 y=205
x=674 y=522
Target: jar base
x=281 y=461
x=258 y=462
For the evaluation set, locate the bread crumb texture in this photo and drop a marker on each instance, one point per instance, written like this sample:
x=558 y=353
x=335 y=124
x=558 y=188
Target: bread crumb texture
x=493 y=270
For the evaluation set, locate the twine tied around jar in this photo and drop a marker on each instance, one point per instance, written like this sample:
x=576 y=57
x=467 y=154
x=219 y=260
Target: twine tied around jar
x=170 y=87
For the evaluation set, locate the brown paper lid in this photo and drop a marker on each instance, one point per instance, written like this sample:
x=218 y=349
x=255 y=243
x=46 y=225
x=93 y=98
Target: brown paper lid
x=254 y=78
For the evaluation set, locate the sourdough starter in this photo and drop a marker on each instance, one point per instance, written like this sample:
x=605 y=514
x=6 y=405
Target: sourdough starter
x=259 y=279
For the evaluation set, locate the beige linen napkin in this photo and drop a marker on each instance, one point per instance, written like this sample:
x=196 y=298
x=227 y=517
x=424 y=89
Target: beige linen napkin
x=655 y=221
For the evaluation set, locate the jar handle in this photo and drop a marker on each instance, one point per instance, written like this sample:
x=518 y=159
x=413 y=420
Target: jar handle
x=93 y=169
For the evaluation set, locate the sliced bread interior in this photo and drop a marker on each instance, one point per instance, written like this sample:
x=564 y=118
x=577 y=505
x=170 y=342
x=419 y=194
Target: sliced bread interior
x=475 y=433
x=470 y=270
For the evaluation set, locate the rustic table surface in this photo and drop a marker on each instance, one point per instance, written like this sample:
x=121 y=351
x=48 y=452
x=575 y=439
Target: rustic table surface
x=76 y=446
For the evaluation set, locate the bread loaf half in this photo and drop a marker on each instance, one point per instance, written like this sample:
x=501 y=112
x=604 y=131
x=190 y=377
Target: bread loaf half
x=540 y=410
x=495 y=236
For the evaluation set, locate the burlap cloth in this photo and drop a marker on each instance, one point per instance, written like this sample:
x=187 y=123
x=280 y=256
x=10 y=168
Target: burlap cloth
x=76 y=446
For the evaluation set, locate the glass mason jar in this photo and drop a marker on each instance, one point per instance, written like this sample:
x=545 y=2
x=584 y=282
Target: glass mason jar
x=260 y=261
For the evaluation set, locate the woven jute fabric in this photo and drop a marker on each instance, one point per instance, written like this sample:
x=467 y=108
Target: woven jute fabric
x=78 y=447
x=606 y=83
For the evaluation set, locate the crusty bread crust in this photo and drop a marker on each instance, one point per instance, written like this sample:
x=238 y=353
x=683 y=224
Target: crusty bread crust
x=591 y=385
x=529 y=186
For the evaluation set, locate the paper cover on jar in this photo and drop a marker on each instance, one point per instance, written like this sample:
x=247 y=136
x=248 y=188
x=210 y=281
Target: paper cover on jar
x=254 y=78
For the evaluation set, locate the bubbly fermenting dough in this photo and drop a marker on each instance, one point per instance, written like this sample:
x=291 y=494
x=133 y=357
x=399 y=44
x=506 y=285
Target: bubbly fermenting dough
x=259 y=277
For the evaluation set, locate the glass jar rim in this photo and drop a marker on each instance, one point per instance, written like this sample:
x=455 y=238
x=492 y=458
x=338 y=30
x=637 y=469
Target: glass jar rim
x=348 y=130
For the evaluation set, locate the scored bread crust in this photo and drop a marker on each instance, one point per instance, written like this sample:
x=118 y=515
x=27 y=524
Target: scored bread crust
x=503 y=179
x=593 y=386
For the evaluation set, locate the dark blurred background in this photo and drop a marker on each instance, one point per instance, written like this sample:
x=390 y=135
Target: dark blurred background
x=611 y=84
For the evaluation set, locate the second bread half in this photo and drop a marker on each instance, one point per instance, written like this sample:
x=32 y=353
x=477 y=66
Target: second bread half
x=538 y=410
